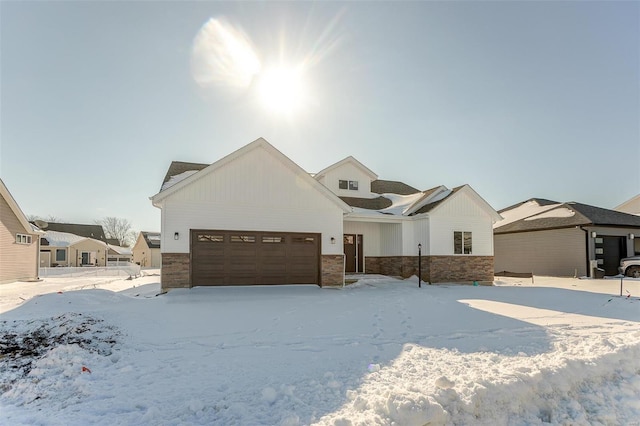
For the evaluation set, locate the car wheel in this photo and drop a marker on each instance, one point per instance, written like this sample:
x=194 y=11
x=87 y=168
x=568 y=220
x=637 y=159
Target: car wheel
x=633 y=271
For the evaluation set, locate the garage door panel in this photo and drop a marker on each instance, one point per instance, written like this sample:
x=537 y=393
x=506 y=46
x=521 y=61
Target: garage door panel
x=251 y=257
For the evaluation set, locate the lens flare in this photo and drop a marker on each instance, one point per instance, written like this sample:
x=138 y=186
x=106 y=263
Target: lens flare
x=222 y=54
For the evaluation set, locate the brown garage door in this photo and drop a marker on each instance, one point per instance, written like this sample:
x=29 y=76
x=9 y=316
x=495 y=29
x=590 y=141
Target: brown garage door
x=250 y=257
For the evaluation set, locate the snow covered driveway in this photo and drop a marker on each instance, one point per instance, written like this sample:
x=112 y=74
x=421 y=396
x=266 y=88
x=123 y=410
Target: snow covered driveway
x=378 y=352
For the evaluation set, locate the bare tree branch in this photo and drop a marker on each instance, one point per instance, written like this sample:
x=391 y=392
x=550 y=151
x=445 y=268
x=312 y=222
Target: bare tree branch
x=117 y=228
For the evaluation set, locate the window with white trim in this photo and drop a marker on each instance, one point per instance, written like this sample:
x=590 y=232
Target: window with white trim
x=462 y=242
x=23 y=239
x=61 y=255
x=351 y=185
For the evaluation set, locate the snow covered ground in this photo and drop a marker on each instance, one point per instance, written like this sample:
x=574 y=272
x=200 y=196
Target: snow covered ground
x=378 y=352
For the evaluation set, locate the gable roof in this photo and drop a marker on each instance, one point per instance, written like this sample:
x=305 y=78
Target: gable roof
x=152 y=239
x=66 y=239
x=430 y=206
x=88 y=231
x=13 y=205
x=351 y=160
x=392 y=187
x=177 y=168
x=260 y=142
x=410 y=205
x=631 y=206
x=564 y=215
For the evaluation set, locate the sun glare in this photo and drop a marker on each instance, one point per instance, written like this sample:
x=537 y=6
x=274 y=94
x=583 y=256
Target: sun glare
x=282 y=90
x=223 y=56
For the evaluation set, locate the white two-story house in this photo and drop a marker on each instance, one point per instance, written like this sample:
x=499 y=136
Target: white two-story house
x=256 y=217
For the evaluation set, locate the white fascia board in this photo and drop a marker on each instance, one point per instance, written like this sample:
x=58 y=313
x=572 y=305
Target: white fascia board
x=349 y=159
x=17 y=211
x=425 y=200
x=495 y=216
x=157 y=199
x=381 y=218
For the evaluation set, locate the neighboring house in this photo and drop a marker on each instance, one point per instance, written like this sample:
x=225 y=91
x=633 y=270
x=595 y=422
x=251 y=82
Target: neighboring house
x=546 y=237
x=117 y=255
x=19 y=241
x=88 y=231
x=65 y=249
x=146 y=250
x=256 y=217
x=631 y=206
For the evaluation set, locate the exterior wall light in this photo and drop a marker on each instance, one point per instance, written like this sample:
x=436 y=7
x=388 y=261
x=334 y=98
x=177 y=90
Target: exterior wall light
x=631 y=236
x=333 y=240
x=593 y=234
x=176 y=236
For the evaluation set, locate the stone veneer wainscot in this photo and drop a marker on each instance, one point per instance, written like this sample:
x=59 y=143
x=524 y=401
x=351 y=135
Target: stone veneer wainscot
x=175 y=271
x=435 y=269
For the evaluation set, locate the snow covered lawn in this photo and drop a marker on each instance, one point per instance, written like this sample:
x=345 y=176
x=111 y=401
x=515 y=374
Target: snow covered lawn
x=381 y=351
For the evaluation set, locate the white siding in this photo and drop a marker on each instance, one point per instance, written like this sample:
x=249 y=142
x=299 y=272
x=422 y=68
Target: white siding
x=256 y=191
x=391 y=239
x=421 y=230
x=461 y=213
x=558 y=252
x=348 y=171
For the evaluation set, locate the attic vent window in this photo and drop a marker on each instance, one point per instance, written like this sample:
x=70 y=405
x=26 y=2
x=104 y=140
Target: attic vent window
x=351 y=185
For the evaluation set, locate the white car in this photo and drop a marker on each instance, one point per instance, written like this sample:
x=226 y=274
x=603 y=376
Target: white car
x=630 y=266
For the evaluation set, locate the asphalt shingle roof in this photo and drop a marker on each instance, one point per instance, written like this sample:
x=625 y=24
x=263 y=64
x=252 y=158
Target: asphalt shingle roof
x=428 y=207
x=368 y=203
x=179 y=167
x=392 y=187
x=152 y=242
x=89 y=231
x=584 y=214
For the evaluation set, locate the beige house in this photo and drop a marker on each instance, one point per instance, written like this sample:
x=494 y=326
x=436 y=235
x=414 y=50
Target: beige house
x=19 y=241
x=146 y=250
x=546 y=237
x=64 y=249
x=631 y=206
x=118 y=255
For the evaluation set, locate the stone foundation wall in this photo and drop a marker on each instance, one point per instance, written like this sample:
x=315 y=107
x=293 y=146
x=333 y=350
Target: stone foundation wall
x=461 y=269
x=332 y=270
x=175 y=271
x=435 y=269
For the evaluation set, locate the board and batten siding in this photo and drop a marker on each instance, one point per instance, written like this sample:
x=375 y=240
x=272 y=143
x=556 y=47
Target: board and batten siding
x=18 y=262
x=461 y=213
x=370 y=235
x=422 y=236
x=557 y=252
x=348 y=171
x=254 y=192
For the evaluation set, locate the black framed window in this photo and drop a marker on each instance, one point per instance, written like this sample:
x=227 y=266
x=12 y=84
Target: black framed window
x=462 y=242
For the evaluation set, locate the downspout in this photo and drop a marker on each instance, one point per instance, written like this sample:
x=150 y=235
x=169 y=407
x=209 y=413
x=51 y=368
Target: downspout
x=586 y=244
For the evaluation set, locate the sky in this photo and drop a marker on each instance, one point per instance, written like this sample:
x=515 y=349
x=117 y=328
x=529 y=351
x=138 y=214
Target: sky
x=516 y=99
x=97 y=351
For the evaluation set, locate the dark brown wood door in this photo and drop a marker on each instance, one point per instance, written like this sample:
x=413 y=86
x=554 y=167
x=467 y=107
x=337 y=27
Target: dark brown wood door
x=353 y=253
x=253 y=257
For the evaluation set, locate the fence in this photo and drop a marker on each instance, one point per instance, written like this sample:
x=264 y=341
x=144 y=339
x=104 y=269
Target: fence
x=121 y=270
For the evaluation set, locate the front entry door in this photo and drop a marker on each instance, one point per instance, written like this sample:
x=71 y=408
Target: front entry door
x=609 y=251
x=353 y=253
